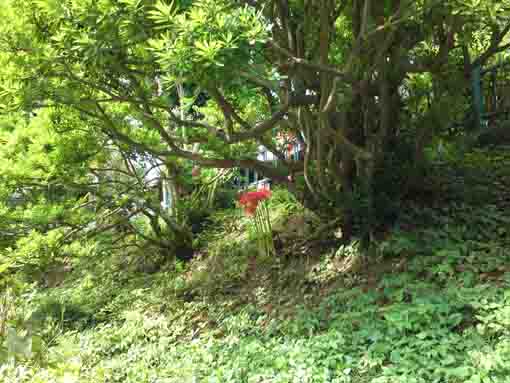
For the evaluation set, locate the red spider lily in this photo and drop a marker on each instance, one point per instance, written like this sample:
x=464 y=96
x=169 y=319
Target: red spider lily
x=250 y=200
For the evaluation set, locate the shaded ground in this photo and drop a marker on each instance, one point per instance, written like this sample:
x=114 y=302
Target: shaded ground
x=434 y=306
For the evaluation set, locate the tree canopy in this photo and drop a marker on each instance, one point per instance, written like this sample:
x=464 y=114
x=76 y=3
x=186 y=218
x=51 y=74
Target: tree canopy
x=207 y=82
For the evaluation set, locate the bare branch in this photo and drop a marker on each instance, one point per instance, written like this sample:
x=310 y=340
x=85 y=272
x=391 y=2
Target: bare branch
x=494 y=48
x=261 y=127
x=305 y=63
x=227 y=108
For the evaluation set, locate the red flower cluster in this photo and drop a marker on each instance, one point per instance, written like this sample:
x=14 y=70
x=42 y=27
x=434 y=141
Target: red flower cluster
x=250 y=200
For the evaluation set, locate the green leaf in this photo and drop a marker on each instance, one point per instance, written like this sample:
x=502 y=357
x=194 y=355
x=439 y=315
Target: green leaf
x=460 y=372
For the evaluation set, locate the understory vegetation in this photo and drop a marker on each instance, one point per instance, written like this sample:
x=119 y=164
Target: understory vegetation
x=434 y=306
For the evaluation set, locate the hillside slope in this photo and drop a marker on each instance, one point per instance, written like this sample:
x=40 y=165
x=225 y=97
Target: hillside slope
x=433 y=307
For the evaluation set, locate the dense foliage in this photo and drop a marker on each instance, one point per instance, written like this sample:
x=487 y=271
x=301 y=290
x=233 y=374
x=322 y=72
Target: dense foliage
x=128 y=253
x=208 y=81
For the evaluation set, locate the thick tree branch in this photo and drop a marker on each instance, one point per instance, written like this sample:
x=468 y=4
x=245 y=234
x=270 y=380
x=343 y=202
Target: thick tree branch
x=305 y=63
x=228 y=110
x=494 y=47
x=260 y=128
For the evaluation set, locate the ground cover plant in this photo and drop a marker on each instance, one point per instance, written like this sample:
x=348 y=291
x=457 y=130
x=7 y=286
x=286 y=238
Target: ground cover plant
x=434 y=307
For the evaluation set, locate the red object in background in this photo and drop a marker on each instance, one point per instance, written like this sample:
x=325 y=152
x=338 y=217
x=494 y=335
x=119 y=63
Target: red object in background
x=196 y=171
x=250 y=200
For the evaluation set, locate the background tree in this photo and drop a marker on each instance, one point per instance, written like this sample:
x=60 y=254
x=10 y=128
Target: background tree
x=63 y=185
